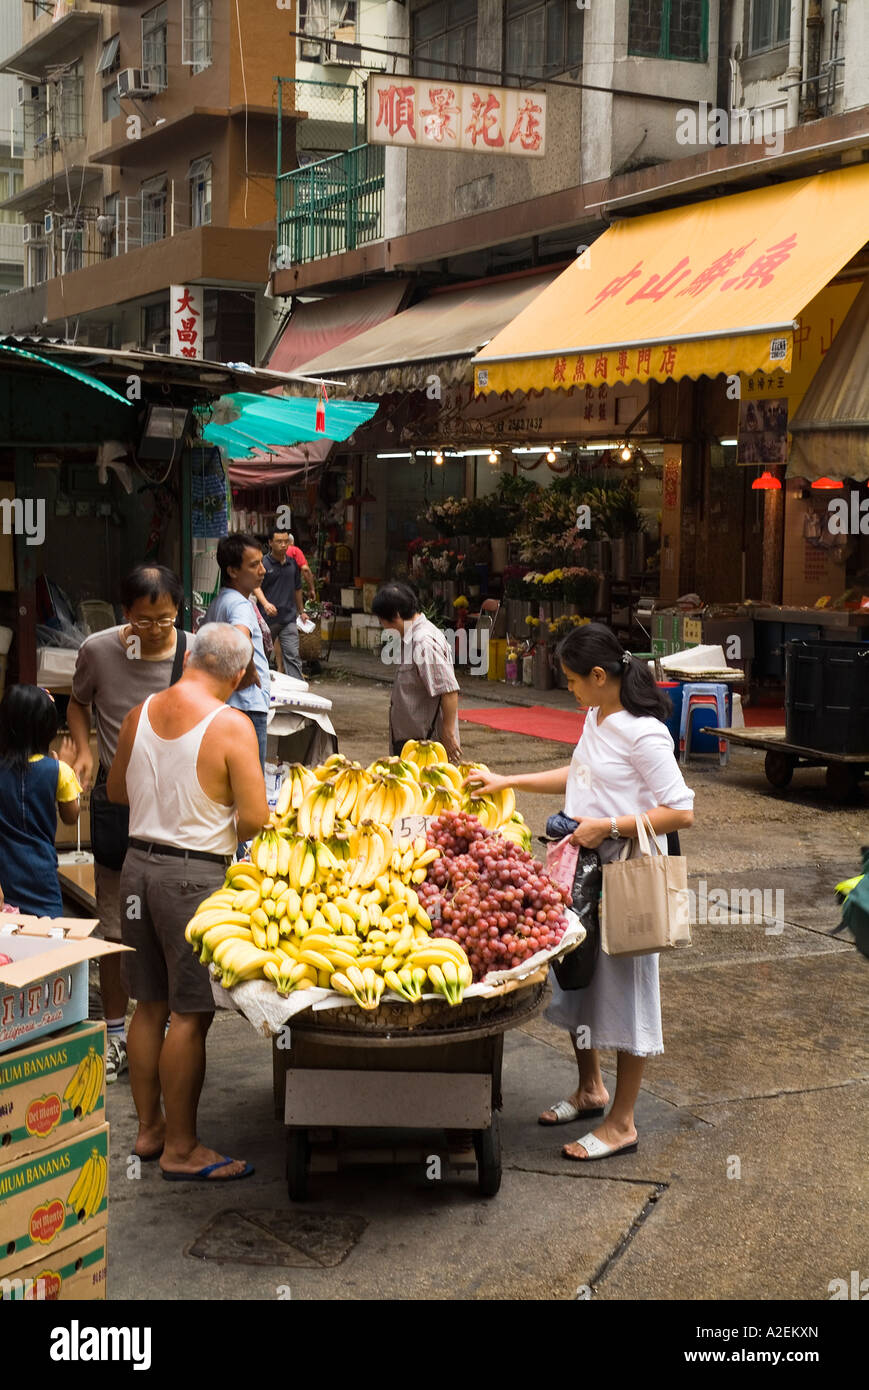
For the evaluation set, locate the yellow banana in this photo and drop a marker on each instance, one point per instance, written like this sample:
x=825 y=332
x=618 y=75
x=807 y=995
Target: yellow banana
x=243 y=869
x=309 y=866
x=316 y=958
x=76 y=1083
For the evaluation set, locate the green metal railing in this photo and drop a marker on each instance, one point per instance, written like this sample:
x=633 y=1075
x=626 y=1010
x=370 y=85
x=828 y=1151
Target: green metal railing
x=331 y=205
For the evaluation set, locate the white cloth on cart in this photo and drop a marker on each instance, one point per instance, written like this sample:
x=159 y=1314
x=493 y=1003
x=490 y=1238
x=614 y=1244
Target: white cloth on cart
x=626 y=765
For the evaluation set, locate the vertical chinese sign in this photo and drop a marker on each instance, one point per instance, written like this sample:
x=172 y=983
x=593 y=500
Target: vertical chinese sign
x=432 y=114
x=185 y=326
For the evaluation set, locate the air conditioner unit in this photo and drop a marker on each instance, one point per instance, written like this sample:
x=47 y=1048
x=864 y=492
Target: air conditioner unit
x=310 y=51
x=33 y=231
x=30 y=94
x=49 y=223
x=133 y=82
x=161 y=348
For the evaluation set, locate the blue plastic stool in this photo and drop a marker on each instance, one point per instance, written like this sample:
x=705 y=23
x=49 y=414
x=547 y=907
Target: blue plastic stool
x=703 y=695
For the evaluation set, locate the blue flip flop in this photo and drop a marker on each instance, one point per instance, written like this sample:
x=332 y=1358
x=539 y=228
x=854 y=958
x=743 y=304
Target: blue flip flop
x=204 y=1174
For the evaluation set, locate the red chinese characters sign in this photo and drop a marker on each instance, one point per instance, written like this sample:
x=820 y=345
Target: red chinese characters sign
x=436 y=114
x=185 y=337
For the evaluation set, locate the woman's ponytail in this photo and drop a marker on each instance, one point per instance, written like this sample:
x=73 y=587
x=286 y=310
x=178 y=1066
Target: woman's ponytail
x=595 y=645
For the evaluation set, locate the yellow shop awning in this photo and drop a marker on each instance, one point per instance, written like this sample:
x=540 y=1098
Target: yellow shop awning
x=694 y=291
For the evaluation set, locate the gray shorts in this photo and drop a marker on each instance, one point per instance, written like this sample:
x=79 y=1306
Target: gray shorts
x=107 y=890
x=160 y=893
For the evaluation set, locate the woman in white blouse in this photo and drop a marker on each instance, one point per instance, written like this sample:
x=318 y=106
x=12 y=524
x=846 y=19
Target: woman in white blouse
x=624 y=763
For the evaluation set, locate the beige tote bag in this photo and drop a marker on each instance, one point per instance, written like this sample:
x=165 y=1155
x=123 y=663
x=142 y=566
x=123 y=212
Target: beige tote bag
x=645 y=905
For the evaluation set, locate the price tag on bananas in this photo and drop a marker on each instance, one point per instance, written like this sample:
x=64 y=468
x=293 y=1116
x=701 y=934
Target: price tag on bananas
x=407 y=828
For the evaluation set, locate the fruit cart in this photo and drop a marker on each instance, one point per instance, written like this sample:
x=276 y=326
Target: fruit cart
x=431 y=1068
x=844 y=770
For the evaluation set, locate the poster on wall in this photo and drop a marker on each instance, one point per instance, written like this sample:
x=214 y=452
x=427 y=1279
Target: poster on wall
x=763 y=431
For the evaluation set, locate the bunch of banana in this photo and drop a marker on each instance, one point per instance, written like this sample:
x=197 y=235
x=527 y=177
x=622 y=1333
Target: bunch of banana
x=298 y=780
x=334 y=763
x=435 y=775
x=389 y=797
x=516 y=830
x=436 y=952
x=406 y=982
x=88 y=1190
x=423 y=751
x=351 y=783
x=412 y=862
x=397 y=767
x=371 y=848
x=441 y=799
x=238 y=960
x=363 y=986
x=484 y=808
x=85 y=1086
x=266 y=852
x=289 y=975
x=450 y=980
x=316 y=815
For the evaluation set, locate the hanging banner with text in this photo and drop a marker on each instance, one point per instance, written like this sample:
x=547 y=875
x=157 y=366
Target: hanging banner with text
x=428 y=113
x=185 y=336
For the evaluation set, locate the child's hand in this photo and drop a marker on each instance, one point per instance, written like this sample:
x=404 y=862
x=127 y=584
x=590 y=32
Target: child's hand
x=67 y=751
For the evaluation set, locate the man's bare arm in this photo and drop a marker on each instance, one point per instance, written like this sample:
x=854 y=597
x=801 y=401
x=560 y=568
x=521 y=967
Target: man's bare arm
x=246 y=777
x=116 y=783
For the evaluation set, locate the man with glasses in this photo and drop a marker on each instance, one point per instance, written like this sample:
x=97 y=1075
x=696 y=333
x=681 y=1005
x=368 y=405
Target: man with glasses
x=115 y=671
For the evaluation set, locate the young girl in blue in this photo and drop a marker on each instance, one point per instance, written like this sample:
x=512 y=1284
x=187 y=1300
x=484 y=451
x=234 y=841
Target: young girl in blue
x=35 y=787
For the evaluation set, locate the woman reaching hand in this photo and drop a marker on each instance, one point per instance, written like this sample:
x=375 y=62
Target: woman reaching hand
x=623 y=764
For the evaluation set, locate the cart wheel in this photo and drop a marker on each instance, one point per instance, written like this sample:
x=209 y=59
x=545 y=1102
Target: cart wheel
x=842 y=780
x=298 y=1153
x=487 y=1146
x=779 y=769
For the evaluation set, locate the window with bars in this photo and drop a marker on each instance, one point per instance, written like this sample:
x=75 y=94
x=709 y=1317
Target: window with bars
x=769 y=26
x=327 y=19
x=543 y=38
x=154 y=203
x=70 y=103
x=37 y=264
x=11 y=183
x=196 y=24
x=71 y=249
x=155 y=47
x=446 y=32
x=669 y=29
x=112 y=209
x=199 y=176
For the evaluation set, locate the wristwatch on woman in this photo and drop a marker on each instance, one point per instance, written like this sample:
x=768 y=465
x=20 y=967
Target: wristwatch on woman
x=614 y=830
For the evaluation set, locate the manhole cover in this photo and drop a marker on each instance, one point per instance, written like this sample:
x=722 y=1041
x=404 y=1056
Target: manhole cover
x=276 y=1238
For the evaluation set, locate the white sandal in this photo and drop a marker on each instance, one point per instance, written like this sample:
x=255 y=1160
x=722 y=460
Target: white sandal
x=566 y=1112
x=596 y=1148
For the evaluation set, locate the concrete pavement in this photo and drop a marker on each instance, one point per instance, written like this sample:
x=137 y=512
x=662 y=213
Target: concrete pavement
x=750 y=1177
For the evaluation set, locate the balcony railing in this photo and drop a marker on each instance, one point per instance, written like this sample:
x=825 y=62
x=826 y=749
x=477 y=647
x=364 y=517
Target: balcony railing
x=330 y=206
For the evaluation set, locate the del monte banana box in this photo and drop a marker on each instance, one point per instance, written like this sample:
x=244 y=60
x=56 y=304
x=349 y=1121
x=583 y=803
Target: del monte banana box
x=44 y=974
x=52 y=1199
x=74 y=1272
x=52 y=1091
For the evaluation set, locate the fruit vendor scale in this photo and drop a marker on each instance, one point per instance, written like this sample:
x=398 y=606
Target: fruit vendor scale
x=380 y=887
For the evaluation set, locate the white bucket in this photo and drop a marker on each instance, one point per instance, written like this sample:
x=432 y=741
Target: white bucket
x=5 y=640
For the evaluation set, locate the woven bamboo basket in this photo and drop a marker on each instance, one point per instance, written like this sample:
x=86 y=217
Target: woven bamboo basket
x=311 y=645
x=428 y=1014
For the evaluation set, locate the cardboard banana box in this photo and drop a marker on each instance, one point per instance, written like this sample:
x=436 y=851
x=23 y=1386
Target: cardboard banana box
x=77 y=1272
x=52 y=1091
x=52 y=1199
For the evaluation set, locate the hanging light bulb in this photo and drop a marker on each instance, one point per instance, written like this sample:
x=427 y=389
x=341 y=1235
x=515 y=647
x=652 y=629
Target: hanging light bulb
x=826 y=484
x=439 y=458
x=767 y=482
x=626 y=453
x=550 y=456
x=494 y=456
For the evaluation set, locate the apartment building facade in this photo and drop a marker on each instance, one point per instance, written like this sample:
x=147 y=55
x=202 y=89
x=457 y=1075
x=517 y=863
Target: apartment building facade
x=11 y=161
x=150 y=144
x=651 y=105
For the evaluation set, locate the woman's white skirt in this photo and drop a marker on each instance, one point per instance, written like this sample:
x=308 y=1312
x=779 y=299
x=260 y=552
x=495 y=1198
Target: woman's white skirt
x=621 y=1008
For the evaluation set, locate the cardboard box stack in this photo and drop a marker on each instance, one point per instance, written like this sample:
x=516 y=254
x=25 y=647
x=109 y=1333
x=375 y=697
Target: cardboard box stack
x=54 y=1140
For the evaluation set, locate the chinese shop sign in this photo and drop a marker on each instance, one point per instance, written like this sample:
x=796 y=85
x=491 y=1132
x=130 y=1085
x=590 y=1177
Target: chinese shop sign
x=186 y=320
x=427 y=113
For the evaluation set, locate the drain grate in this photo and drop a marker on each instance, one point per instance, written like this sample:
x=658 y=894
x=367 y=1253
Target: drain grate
x=300 y=1240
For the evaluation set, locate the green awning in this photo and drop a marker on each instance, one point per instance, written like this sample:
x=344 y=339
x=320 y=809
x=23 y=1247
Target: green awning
x=244 y=423
x=83 y=377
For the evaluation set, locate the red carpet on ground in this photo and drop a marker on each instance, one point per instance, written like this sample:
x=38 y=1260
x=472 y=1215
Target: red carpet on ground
x=565 y=726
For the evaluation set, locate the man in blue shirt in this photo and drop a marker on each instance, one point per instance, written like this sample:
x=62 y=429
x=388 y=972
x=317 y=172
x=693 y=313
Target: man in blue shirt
x=239 y=558
x=281 y=599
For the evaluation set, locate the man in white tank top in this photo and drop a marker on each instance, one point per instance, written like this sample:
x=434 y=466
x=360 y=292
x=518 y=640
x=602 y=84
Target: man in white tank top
x=188 y=766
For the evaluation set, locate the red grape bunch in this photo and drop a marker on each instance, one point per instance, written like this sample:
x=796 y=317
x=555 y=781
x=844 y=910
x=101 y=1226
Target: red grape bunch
x=489 y=895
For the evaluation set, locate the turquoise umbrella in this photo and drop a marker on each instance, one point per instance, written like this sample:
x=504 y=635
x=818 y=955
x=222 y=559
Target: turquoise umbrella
x=245 y=422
